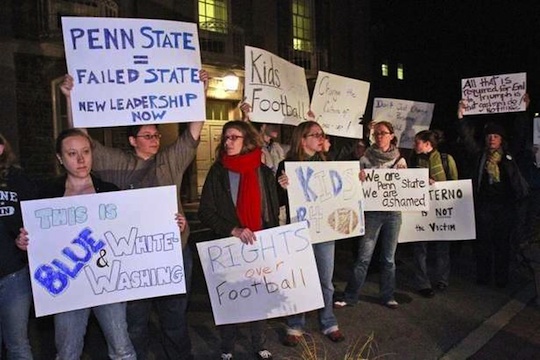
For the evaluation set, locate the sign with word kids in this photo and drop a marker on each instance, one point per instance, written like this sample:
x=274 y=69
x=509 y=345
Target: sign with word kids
x=450 y=215
x=133 y=71
x=396 y=189
x=339 y=104
x=407 y=117
x=275 y=276
x=96 y=249
x=494 y=94
x=328 y=194
x=275 y=88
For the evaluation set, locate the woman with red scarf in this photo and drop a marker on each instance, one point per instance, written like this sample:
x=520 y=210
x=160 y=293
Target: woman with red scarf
x=238 y=198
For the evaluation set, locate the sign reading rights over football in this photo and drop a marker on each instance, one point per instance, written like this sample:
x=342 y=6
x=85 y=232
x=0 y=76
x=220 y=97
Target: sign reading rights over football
x=275 y=88
x=133 y=71
x=494 y=94
x=328 y=195
x=407 y=118
x=396 y=189
x=90 y=250
x=274 y=277
x=339 y=104
x=450 y=215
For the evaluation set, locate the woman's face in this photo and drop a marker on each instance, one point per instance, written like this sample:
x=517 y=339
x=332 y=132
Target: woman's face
x=76 y=156
x=383 y=136
x=234 y=141
x=494 y=141
x=146 y=143
x=313 y=142
x=421 y=147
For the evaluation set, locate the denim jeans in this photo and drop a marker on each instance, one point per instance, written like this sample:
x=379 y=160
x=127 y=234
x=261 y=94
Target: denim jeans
x=442 y=263
x=15 y=300
x=324 y=257
x=381 y=226
x=70 y=328
x=172 y=314
x=228 y=336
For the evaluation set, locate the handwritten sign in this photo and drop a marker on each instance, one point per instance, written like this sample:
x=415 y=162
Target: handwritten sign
x=276 y=276
x=328 y=194
x=450 y=215
x=133 y=71
x=97 y=249
x=494 y=94
x=339 y=104
x=396 y=189
x=275 y=88
x=407 y=117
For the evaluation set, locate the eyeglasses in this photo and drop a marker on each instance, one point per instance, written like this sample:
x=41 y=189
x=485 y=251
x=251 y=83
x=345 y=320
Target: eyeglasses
x=316 y=135
x=233 y=138
x=381 y=133
x=150 y=136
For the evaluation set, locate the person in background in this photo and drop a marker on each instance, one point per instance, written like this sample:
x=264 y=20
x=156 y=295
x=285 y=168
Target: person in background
x=238 y=198
x=15 y=290
x=442 y=167
x=307 y=144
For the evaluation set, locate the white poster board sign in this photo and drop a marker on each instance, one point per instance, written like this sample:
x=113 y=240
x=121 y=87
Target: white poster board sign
x=339 y=104
x=407 y=117
x=396 y=190
x=328 y=194
x=90 y=250
x=274 y=277
x=450 y=215
x=275 y=88
x=133 y=71
x=494 y=94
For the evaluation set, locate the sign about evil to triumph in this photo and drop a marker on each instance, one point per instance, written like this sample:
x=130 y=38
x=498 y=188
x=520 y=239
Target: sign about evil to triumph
x=96 y=249
x=275 y=276
x=133 y=71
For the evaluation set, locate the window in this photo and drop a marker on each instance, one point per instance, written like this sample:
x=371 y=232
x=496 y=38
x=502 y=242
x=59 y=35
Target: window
x=384 y=68
x=400 y=75
x=213 y=15
x=302 y=25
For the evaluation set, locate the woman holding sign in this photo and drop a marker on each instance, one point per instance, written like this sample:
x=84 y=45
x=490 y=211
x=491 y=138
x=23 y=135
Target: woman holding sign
x=307 y=144
x=74 y=152
x=238 y=198
x=381 y=226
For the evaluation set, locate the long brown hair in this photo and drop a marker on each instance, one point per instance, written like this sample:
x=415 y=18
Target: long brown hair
x=296 y=152
x=252 y=138
x=7 y=159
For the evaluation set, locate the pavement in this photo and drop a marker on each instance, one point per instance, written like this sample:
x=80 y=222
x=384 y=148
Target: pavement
x=466 y=321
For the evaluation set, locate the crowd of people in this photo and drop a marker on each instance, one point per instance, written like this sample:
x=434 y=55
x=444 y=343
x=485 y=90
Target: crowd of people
x=246 y=191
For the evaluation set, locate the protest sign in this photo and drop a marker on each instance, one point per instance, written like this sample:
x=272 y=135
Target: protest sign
x=328 y=194
x=407 y=118
x=339 y=104
x=494 y=94
x=90 y=250
x=396 y=190
x=274 y=277
x=450 y=215
x=133 y=71
x=275 y=88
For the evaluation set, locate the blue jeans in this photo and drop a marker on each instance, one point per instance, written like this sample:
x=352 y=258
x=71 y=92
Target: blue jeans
x=15 y=301
x=442 y=263
x=324 y=257
x=383 y=226
x=172 y=313
x=70 y=328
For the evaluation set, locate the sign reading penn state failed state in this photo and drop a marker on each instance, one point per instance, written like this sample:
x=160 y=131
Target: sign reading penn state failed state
x=96 y=249
x=133 y=71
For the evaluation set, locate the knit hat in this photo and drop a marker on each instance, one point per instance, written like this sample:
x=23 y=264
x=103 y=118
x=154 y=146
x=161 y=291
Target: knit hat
x=493 y=128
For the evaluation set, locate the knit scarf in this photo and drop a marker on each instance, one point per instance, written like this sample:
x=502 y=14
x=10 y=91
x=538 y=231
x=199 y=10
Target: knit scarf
x=492 y=166
x=248 y=204
x=377 y=157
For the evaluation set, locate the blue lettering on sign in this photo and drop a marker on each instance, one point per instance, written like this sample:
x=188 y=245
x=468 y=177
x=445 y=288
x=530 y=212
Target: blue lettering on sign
x=103 y=38
x=171 y=40
x=304 y=179
x=337 y=183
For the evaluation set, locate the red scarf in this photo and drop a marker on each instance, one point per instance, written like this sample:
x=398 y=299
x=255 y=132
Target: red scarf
x=248 y=204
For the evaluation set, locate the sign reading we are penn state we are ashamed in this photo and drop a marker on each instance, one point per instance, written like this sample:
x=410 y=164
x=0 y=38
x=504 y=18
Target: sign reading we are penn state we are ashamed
x=133 y=71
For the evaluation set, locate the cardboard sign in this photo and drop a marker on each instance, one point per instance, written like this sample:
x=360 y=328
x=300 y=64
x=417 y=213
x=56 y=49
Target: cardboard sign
x=90 y=250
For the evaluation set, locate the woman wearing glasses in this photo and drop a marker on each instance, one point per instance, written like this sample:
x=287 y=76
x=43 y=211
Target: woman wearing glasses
x=381 y=226
x=238 y=198
x=307 y=144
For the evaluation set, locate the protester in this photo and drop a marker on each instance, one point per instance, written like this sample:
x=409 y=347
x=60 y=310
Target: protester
x=499 y=189
x=15 y=290
x=307 y=144
x=441 y=167
x=380 y=225
x=150 y=165
x=238 y=198
x=74 y=152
